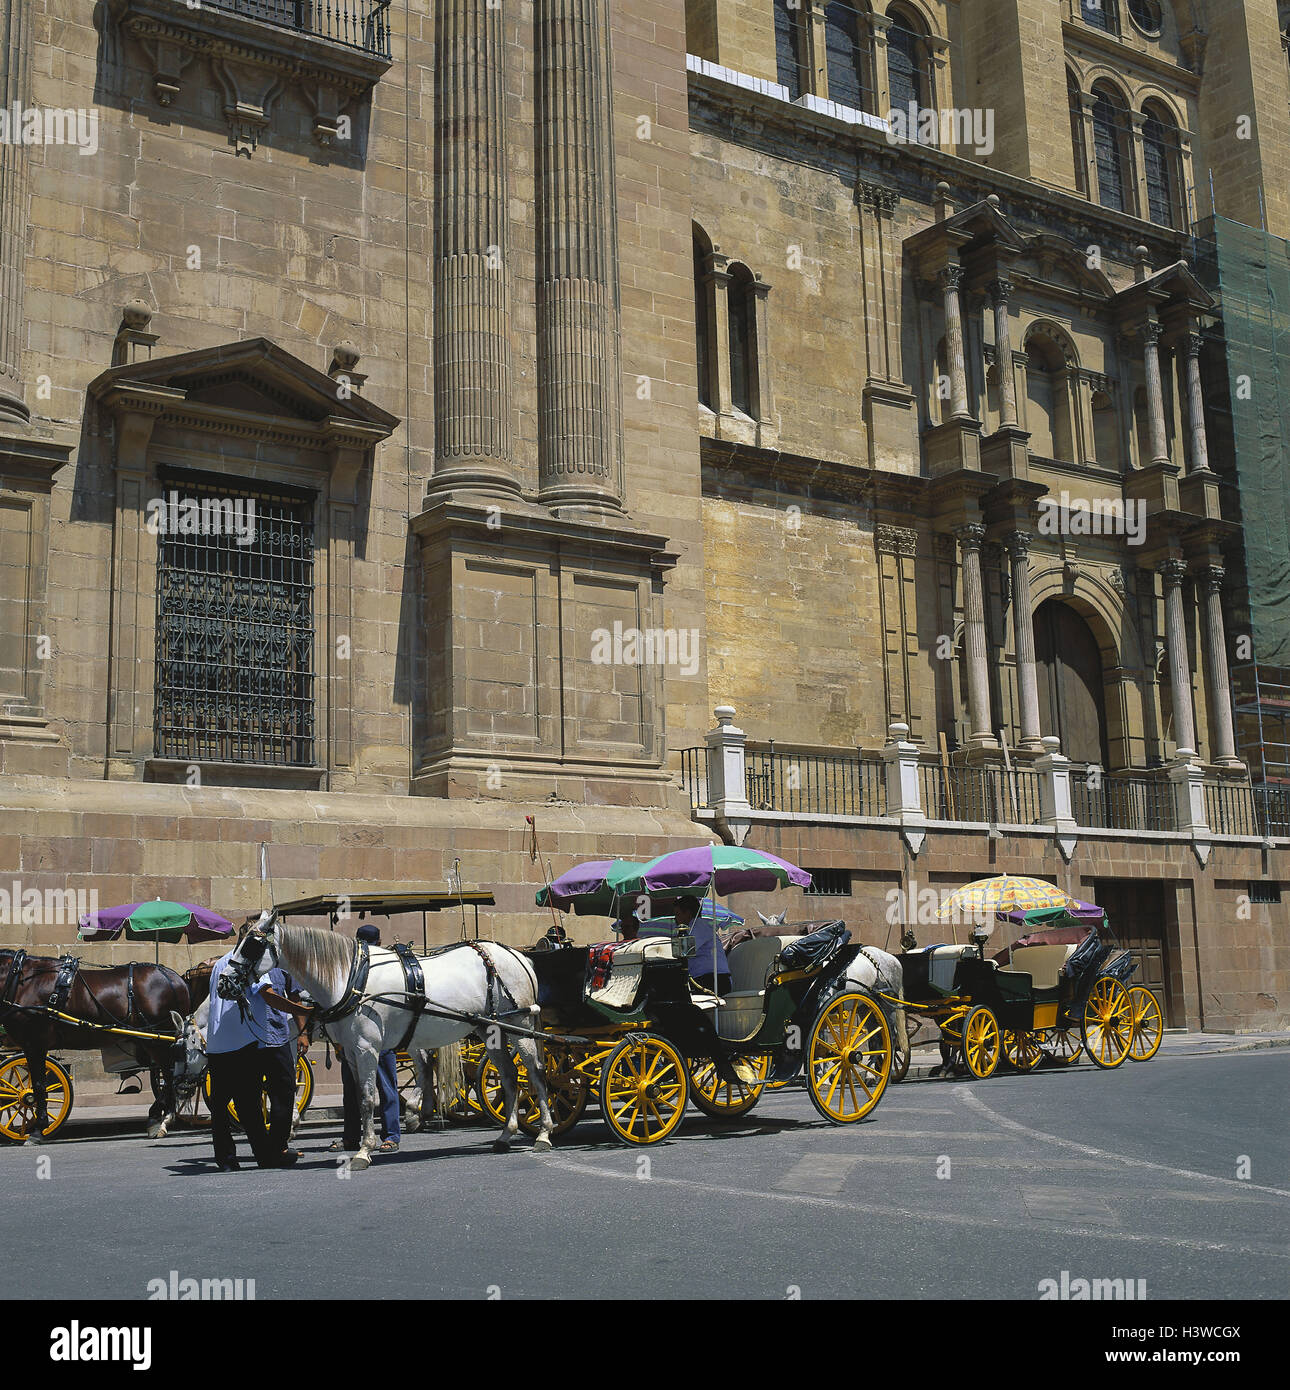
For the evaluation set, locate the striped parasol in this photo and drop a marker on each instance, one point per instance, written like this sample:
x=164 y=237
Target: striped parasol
x=982 y=899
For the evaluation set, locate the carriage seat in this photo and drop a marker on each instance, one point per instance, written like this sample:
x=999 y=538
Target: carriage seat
x=750 y=963
x=943 y=962
x=615 y=968
x=1041 y=962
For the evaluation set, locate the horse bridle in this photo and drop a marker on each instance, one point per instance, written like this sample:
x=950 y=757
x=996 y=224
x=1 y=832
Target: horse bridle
x=253 y=946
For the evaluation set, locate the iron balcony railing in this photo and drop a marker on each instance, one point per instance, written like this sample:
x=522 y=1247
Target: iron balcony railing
x=361 y=24
x=694 y=776
x=1122 y=800
x=1230 y=808
x=831 y=784
x=1272 y=809
x=981 y=794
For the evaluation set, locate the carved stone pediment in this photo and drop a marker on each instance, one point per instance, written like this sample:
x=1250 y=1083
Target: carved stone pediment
x=334 y=54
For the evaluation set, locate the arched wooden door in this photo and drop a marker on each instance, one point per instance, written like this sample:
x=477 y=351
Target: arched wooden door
x=1069 y=669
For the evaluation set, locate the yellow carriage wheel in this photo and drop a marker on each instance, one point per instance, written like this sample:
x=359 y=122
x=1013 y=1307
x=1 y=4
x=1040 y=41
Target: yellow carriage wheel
x=643 y=1089
x=18 y=1100
x=1108 y=1022
x=981 y=1042
x=490 y=1095
x=726 y=1099
x=1148 y=1024
x=1024 y=1050
x=848 y=1058
x=1063 y=1045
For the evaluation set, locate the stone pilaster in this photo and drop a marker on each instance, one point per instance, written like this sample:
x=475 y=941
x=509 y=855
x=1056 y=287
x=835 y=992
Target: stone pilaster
x=1018 y=547
x=970 y=538
x=1220 y=687
x=14 y=88
x=472 y=362
x=579 y=408
x=1172 y=573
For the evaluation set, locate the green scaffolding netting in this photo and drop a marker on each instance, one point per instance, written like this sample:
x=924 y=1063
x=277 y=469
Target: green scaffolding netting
x=1253 y=277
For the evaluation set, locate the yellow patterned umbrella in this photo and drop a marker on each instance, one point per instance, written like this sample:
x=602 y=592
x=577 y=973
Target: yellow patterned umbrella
x=980 y=900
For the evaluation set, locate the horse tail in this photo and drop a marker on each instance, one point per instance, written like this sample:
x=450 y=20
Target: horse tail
x=449 y=1077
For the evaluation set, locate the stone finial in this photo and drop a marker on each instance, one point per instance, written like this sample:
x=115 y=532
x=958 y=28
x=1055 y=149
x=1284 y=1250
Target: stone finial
x=133 y=342
x=993 y=200
x=1141 y=263
x=344 y=358
x=942 y=204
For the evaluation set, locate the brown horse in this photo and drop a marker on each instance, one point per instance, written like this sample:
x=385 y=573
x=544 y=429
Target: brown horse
x=143 y=998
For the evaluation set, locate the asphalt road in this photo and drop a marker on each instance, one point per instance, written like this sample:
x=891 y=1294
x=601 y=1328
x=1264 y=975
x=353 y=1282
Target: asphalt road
x=953 y=1189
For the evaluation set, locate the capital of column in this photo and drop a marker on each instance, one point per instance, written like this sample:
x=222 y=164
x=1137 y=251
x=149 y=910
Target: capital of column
x=950 y=277
x=1000 y=291
x=1212 y=577
x=1173 y=572
x=1017 y=544
x=971 y=536
x=1193 y=343
x=1151 y=331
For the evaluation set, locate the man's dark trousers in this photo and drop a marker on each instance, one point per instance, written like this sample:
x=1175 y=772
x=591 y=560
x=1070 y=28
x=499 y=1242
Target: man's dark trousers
x=237 y=1077
x=278 y=1071
x=387 y=1094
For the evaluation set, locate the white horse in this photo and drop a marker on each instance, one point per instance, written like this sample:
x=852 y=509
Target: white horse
x=875 y=973
x=459 y=987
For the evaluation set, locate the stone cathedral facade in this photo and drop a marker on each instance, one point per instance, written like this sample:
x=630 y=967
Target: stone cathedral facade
x=418 y=418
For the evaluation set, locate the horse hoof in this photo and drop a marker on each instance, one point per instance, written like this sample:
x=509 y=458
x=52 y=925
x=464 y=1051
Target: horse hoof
x=500 y=1146
x=543 y=1144
x=358 y=1163
x=34 y=1138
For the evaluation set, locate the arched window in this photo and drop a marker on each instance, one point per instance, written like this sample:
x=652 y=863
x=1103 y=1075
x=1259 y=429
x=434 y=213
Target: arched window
x=1110 y=131
x=846 y=44
x=1076 y=101
x=1047 y=405
x=743 y=341
x=788 y=46
x=1161 y=165
x=1068 y=665
x=907 y=62
x=1106 y=431
x=703 y=321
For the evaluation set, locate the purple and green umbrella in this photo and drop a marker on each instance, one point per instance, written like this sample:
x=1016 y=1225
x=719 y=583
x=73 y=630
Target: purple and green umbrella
x=155 y=921
x=721 y=869
x=593 y=889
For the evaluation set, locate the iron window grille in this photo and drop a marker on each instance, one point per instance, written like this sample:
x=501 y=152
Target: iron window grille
x=1101 y=14
x=235 y=628
x=1265 y=894
x=1156 y=159
x=846 y=47
x=829 y=883
x=788 y=47
x=1108 y=151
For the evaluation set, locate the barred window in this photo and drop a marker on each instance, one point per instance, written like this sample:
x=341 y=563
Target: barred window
x=235 y=629
x=908 y=63
x=847 y=53
x=829 y=883
x=743 y=343
x=1159 y=146
x=1076 y=101
x=788 y=46
x=1108 y=151
x=1101 y=14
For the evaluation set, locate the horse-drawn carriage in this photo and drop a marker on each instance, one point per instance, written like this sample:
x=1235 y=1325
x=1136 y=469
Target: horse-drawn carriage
x=1057 y=993
x=627 y=1026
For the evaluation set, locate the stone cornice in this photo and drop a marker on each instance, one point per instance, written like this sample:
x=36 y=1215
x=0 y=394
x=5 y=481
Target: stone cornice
x=778 y=471
x=1122 y=55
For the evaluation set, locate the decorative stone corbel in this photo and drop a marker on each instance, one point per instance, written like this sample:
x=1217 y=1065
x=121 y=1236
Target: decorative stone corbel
x=169 y=59
x=326 y=100
x=249 y=94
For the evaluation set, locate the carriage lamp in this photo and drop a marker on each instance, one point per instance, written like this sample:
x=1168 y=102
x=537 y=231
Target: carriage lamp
x=684 y=945
x=981 y=933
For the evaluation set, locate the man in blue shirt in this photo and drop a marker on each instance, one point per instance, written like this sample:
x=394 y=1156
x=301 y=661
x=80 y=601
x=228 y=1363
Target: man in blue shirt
x=233 y=1051
x=709 y=958
x=277 y=1061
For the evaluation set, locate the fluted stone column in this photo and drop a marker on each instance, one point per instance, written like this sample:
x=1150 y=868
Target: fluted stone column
x=1172 y=572
x=1155 y=392
x=950 y=278
x=1023 y=629
x=970 y=538
x=472 y=363
x=1199 y=460
x=14 y=88
x=1220 y=687
x=579 y=404
x=999 y=293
